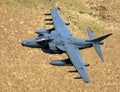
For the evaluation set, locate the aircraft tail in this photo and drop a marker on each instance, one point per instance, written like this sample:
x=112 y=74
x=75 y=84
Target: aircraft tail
x=96 y=42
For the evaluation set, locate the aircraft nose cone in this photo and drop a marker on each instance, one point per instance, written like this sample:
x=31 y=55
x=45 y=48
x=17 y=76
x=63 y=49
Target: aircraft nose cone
x=23 y=43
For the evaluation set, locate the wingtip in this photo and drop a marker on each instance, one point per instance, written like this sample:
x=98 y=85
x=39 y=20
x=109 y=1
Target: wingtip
x=110 y=34
x=88 y=28
x=87 y=81
x=101 y=57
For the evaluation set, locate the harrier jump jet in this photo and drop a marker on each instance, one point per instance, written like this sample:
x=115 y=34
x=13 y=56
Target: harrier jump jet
x=59 y=40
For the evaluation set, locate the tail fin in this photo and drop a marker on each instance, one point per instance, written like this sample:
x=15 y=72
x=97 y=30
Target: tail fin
x=96 y=42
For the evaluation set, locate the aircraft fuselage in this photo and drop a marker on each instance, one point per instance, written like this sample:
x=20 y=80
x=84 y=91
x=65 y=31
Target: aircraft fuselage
x=53 y=43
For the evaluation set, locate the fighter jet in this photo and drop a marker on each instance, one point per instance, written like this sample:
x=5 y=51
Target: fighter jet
x=58 y=40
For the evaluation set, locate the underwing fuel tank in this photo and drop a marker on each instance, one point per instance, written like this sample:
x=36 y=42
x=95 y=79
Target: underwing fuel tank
x=65 y=62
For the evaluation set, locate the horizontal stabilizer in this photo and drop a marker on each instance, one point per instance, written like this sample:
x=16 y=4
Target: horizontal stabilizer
x=100 y=38
x=98 y=50
x=91 y=36
x=96 y=42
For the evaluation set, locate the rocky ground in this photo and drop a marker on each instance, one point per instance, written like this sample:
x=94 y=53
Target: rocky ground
x=24 y=69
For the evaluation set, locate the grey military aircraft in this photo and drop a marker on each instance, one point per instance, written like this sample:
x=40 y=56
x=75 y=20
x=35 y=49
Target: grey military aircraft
x=58 y=40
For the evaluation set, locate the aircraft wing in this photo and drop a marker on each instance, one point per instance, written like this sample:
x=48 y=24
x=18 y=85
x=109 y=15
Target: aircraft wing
x=59 y=24
x=73 y=53
x=71 y=50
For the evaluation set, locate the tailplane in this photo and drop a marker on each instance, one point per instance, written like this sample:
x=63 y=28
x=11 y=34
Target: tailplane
x=100 y=38
x=96 y=42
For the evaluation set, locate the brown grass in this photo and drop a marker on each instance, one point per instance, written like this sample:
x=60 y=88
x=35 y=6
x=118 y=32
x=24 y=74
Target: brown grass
x=24 y=69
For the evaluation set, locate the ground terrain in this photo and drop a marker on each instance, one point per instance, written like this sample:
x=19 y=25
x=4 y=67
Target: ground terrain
x=24 y=69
